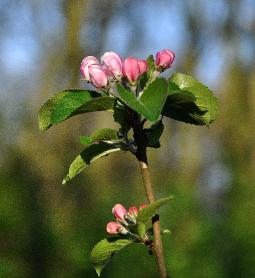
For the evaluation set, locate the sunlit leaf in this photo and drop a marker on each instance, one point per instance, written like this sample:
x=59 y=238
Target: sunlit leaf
x=151 y=101
x=190 y=101
x=105 y=249
x=145 y=215
x=71 y=102
x=88 y=156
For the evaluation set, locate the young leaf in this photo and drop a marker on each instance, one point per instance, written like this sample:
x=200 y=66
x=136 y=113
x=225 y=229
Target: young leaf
x=153 y=134
x=145 y=215
x=150 y=103
x=105 y=134
x=148 y=75
x=154 y=97
x=69 y=103
x=105 y=249
x=88 y=156
x=190 y=101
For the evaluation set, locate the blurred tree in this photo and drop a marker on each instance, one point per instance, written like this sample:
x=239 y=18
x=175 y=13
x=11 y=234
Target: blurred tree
x=48 y=230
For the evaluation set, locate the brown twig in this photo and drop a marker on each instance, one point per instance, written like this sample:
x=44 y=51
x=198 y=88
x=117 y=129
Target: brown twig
x=141 y=155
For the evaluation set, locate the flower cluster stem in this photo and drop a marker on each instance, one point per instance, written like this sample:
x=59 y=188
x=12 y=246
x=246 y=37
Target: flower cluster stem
x=141 y=155
x=157 y=244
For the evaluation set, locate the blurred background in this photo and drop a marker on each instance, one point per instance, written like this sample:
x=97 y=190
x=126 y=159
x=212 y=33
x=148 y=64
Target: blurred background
x=48 y=229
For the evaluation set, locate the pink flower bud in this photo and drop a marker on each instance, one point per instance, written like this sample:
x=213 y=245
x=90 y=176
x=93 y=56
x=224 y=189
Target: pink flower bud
x=165 y=58
x=142 y=206
x=131 y=69
x=98 y=76
x=113 y=228
x=133 y=211
x=119 y=212
x=142 y=66
x=113 y=62
x=86 y=62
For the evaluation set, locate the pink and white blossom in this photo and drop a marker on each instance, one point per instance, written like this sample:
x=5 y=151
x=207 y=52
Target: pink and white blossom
x=113 y=228
x=119 y=212
x=98 y=76
x=113 y=62
x=86 y=62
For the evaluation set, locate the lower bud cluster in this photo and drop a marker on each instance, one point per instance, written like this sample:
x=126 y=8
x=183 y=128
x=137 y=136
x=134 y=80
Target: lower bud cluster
x=124 y=219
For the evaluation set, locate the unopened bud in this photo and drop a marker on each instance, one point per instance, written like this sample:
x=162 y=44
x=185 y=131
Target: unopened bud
x=119 y=212
x=164 y=58
x=113 y=228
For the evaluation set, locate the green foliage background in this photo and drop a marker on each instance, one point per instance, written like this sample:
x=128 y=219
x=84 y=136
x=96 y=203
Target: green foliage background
x=48 y=229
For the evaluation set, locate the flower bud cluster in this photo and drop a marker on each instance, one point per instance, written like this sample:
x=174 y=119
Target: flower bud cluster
x=113 y=67
x=124 y=218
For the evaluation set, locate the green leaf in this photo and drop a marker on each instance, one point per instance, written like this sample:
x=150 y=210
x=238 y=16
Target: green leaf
x=151 y=64
x=69 y=103
x=105 y=249
x=88 y=156
x=105 y=134
x=122 y=117
x=153 y=134
x=147 y=77
x=145 y=215
x=190 y=101
x=151 y=101
x=85 y=140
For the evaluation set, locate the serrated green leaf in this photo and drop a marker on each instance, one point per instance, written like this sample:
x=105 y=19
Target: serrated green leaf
x=145 y=215
x=71 y=102
x=153 y=134
x=105 y=249
x=88 y=156
x=190 y=101
x=151 y=101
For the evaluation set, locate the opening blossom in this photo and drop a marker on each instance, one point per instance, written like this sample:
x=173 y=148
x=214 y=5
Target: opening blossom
x=86 y=62
x=98 y=76
x=114 y=68
x=119 y=212
x=113 y=62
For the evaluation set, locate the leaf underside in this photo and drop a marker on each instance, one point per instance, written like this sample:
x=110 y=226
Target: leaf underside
x=145 y=215
x=105 y=249
x=88 y=156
